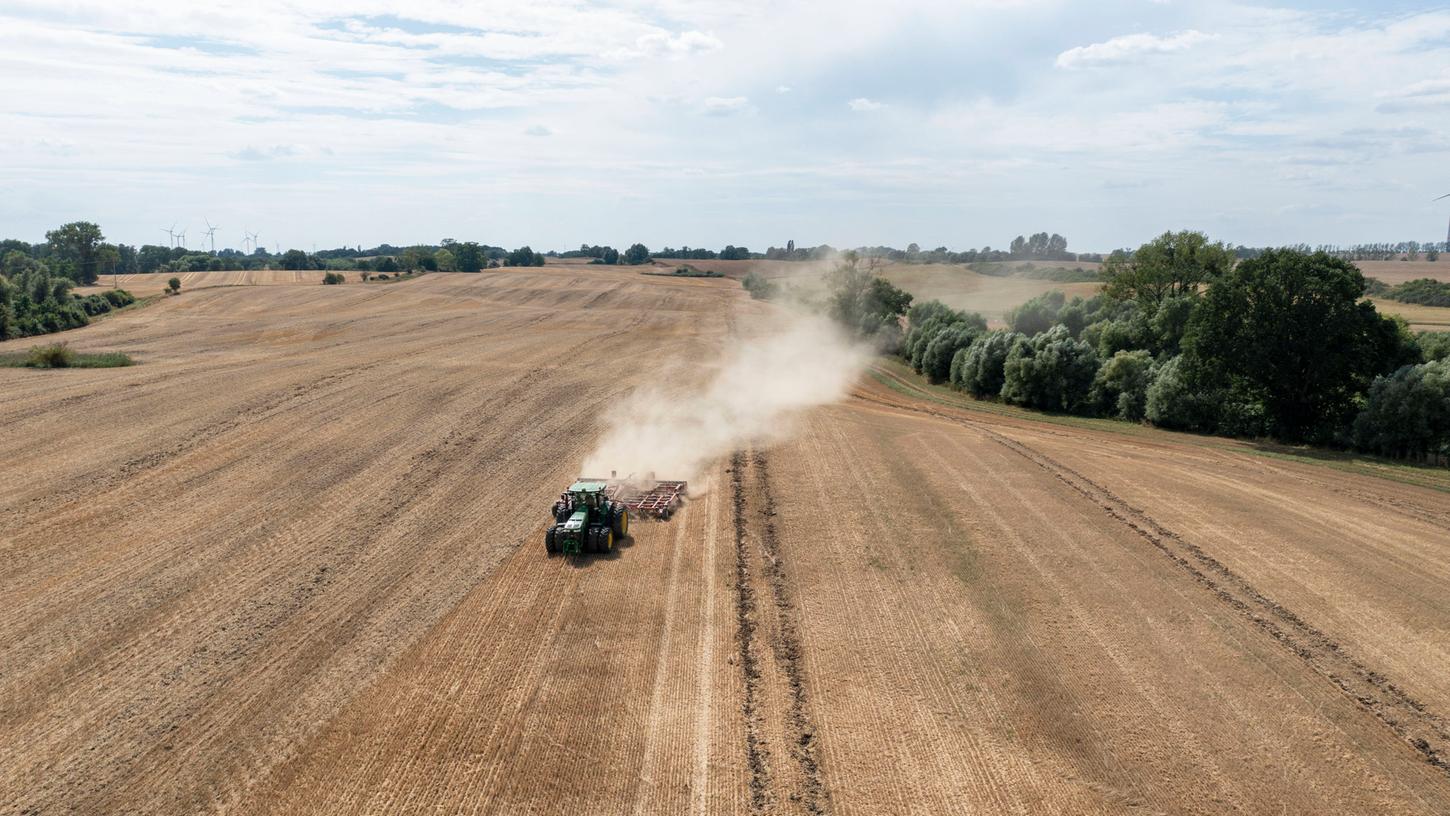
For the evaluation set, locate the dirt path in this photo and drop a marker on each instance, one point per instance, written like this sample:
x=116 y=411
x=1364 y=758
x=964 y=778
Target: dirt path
x=292 y=564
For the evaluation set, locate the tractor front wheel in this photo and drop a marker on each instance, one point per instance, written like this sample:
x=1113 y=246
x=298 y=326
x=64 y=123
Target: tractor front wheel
x=551 y=545
x=621 y=523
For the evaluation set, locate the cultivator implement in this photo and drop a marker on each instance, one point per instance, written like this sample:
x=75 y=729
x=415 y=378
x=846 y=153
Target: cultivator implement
x=646 y=499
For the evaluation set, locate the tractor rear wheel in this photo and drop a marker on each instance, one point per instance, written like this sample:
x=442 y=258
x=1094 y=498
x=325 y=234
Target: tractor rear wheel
x=606 y=540
x=621 y=523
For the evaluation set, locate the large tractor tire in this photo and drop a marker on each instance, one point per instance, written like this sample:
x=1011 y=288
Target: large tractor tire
x=550 y=544
x=621 y=523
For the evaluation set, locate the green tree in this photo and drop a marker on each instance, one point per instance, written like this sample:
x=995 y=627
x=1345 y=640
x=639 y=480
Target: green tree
x=939 y=354
x=294 y=259
x=870 y=306
x=386 y=264
x=151 y=258
x=1407 y=412
x=636 y=255
x=1120 y=388
x=468 y=256
x=1287 y=330
x=174 y=285
x=524 y=256
x=1175 y=402
x=1434 y=345
x=1038 y=314
x=1051 y=371
x=1175 y=264
x=446 y=260
x=74 y=249
x=7 y=313
x=980 y=368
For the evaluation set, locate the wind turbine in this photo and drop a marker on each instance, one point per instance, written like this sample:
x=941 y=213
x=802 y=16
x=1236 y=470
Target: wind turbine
x=171 y=233
x=254 y=241
x=181 y=239
x=211 y=234
x=1447 y=229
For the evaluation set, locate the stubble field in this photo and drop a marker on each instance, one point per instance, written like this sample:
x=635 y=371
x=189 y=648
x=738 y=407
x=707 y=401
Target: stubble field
x=292 y=563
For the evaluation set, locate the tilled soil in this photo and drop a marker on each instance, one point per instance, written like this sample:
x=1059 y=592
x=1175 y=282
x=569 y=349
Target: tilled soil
x=293 y=563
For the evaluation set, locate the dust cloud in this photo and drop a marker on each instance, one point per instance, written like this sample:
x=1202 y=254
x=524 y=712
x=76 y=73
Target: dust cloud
x=753 y=393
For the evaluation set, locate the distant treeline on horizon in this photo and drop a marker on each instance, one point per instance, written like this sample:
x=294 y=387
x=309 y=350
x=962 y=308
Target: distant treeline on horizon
x=80 y=252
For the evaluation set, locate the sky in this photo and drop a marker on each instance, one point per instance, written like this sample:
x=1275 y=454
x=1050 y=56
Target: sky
x=960 y=123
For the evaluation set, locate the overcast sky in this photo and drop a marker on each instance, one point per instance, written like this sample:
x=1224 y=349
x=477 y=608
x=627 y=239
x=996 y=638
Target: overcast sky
x=702 y=122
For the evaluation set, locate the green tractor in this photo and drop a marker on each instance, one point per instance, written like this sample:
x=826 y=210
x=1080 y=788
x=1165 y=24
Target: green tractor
x=586 y=520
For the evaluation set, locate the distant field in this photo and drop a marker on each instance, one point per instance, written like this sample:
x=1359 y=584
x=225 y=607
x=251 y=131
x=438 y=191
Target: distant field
x=953 y=284
x=1393 y=272
x=993 y=296
x=153 y=283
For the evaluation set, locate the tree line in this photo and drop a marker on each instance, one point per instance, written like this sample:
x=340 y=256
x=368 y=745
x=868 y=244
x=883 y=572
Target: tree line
x=1184 y=335
x=35 y=299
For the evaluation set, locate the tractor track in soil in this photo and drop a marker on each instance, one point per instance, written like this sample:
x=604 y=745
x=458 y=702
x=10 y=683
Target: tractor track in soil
x=791 y=774
x=745 y=613
x=1409 y=719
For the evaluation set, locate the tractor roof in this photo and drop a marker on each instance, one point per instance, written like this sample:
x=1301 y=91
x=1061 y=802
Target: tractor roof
x=586 y=487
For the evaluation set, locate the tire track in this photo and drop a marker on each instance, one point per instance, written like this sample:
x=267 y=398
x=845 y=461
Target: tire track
x=776 y=704
x=745 y=612
x=1423 y=730
x=788 y=650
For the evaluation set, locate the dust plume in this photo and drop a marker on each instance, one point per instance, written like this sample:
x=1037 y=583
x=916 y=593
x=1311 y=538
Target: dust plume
x=759 y=386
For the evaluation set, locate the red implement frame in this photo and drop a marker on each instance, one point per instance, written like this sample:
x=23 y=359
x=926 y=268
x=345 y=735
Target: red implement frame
x=657 y=500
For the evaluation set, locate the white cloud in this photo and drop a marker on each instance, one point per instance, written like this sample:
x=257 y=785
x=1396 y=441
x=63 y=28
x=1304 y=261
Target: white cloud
x=1129 y=47
x=782 y=89
x=726 y=105
x=538 y=130
x=861 y=104
x=664 y=44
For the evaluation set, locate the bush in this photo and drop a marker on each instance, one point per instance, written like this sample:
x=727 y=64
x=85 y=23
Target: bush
x=928 y=321
x=333 y=278
x=759 y=286
x=1424 y=292
x=54 y=355
x=1050 y=371
x=1434 y=345
x=1407 y=412
x=940 y=352
x=979 y=368
x=174 y=285
x=1120 y=388
x=1172 y=401
x=119 y=298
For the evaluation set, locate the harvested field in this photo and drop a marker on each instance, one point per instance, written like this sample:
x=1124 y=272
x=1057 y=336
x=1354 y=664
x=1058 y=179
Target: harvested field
x=1395 y=272
x=292 y=563
x=153 y=283
x=953 y=284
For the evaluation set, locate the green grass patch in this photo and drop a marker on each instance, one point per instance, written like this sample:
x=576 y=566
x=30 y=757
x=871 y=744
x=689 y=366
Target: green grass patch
x=900 y=378
x=60 y=355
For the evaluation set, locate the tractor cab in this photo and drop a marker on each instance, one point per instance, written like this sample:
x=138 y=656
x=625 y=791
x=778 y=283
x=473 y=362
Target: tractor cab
x=586 y=520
